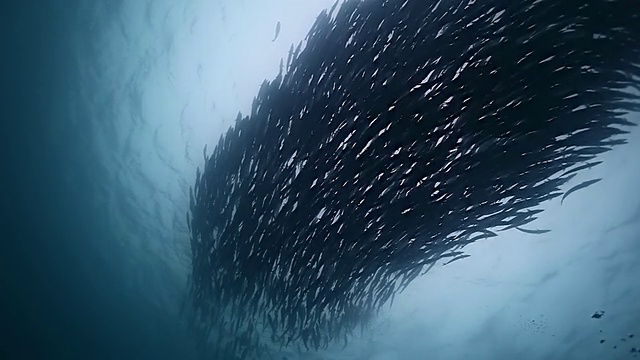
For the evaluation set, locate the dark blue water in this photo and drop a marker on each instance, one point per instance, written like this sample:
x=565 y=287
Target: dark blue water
x=62 y=286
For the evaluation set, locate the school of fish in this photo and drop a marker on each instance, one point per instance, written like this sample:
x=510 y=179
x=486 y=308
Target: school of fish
x=398 y=133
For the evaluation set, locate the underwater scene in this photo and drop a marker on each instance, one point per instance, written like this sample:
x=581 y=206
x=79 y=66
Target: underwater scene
x=320 y=180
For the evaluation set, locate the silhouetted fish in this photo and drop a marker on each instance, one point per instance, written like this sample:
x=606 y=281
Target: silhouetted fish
x=459 y=257
x=383 y=149
x=582 y=185
x=536 y=231
x=277 y=31
x=588 y=165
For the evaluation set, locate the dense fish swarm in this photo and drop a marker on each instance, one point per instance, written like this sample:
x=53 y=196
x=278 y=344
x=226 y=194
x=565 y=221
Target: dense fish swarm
x=401 y=132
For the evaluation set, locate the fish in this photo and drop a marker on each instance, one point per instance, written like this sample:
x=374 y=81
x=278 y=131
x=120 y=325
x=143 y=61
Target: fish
x=459 y=257
x=588 y=165
x=289 y=57
x=536 y=231
x=369 y=159
x=582 y=185
x=277 y=32
x=515 y=223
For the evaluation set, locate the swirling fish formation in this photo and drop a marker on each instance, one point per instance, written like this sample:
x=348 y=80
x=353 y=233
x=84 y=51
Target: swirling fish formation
x=402 y=131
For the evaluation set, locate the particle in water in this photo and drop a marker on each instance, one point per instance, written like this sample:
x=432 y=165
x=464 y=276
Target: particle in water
x=597 y=314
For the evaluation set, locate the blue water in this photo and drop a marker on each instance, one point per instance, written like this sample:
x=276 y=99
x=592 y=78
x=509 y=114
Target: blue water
x=106 y=106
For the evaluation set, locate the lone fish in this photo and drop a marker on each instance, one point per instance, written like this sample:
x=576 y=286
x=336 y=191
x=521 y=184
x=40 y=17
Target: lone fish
x=578 y=187
x=536 y=231
x=277 y=31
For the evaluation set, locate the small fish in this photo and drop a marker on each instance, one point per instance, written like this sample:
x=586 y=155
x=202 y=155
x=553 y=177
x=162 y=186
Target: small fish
x=289 y=57
x=520 y=223
x=614 y=142
x=456 y=258
x=533 y=212
x=277 y=31
x=588 y=165
x=578 y=187
x=594 y=150
x=272 y=323
x=536 y=231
